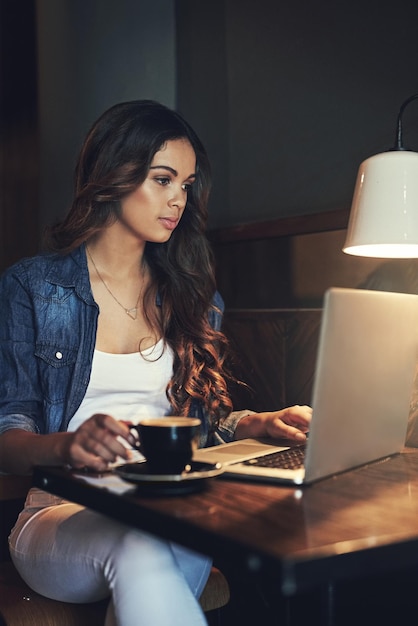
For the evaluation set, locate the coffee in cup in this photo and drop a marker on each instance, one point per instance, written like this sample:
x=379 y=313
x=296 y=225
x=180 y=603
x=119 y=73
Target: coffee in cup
x=168 y=443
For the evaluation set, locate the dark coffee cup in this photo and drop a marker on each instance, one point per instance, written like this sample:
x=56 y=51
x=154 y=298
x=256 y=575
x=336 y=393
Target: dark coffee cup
x=168 y=443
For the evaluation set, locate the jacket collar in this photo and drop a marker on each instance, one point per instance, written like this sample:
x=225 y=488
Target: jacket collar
x=70 y=271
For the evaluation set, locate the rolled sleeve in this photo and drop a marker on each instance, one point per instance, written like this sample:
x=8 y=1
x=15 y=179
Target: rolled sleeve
x=226 y=430
x=17 y=420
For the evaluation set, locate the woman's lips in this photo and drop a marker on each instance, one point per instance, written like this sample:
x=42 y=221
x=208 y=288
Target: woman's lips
x=169 y=223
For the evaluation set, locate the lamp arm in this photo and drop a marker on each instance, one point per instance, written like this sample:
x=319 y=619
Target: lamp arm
x=398 y=140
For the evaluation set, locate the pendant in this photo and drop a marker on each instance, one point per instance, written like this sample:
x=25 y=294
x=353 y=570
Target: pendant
x=132 y=312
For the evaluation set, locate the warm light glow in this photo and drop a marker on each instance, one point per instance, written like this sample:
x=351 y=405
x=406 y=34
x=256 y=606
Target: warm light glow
x=384 y=250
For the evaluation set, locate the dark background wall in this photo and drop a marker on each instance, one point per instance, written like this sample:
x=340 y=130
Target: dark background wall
x=19 y=145
x=91 y=55
x=63 y=62
x=290 y=97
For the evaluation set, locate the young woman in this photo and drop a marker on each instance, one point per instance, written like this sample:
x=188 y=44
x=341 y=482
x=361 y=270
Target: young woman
x=120 y=319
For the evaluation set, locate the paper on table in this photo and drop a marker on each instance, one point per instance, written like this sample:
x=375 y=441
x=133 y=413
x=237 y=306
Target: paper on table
x=108 y=481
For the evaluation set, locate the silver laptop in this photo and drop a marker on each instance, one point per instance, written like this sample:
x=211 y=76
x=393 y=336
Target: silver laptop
x=368 y=346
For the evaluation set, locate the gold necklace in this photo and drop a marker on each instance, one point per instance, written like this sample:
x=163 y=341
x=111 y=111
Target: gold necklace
x=133 y=311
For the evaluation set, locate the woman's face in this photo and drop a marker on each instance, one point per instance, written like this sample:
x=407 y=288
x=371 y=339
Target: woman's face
x=154 y=209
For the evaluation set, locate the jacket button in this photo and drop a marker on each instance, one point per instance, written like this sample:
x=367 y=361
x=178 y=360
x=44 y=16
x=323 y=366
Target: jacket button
x=58 y=355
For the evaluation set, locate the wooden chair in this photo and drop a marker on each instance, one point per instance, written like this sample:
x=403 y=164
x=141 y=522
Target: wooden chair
x=20 y=606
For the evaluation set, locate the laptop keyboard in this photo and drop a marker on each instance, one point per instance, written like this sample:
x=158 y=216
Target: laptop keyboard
x=291 y=458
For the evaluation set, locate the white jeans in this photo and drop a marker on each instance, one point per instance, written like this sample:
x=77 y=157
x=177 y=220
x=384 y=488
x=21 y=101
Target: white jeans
x=70 y=553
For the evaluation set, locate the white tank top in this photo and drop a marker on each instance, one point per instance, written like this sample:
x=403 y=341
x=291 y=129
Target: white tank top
x=127 y=386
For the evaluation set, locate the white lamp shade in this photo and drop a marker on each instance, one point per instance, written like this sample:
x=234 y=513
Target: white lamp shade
x=384 y=213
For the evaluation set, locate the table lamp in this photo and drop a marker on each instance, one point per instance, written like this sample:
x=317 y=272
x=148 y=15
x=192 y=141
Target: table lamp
x=384 y=213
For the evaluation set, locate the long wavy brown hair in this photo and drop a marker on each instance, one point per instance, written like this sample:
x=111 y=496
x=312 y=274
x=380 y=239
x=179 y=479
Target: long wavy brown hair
x=114 y=160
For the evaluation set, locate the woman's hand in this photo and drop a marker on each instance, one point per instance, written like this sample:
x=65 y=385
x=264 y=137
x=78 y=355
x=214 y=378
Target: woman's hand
x=96 y=443
x=291 y=423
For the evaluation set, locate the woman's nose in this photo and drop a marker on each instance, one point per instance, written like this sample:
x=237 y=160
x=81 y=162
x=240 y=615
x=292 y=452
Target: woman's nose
x=178 y=198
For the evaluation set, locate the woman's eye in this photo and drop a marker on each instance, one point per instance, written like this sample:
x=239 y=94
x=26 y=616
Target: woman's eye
x=163 y=180
x=187 y=186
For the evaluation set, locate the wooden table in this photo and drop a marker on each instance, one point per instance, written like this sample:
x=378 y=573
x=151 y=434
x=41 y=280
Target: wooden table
x=356 y=523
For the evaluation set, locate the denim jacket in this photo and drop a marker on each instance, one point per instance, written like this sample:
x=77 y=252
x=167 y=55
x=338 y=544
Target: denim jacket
x=48 y=324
